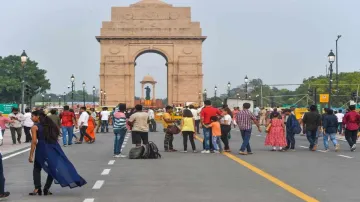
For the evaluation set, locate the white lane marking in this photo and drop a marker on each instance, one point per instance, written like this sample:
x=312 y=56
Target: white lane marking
x=98 y=184
x=348 y=157
x=105 y=171
x=111 y=162
x=89 y=200
x=15 y=154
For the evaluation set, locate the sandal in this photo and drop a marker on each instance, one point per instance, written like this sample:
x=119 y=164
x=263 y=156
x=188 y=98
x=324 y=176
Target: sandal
x=36 y=192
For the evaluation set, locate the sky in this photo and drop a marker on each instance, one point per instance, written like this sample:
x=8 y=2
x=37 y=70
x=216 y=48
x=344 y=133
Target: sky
x=279 y=41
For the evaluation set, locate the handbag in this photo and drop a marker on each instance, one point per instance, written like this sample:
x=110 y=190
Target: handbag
x=173 y=129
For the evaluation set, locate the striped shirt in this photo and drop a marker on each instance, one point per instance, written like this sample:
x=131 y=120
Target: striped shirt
x=119 y=121
x=244 y=119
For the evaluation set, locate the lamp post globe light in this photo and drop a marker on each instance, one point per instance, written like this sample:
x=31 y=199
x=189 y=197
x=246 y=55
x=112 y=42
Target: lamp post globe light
x=331 y=58
x=94 y=89
x=24 y=59
x=84 y=85
x=59 y=101
x=205 y=94
x=246 y=80
x=215 y=91
x=72 y=79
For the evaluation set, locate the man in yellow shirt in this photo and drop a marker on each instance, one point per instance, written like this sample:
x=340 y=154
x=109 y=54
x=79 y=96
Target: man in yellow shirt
x=169 y=138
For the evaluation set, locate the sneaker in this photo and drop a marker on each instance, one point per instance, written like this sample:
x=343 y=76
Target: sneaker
x=314 y=148
x=250 y=153
x=114 y=156
x=353 y=147
x=326 y=150
x=5 y=194
x=173 y=150
x=117 y=156
x=242 y=153
x=292 y=150
x=195 y=151
x=205 y=152
x=122 y=156
x=337 y=147
x=216 y=152
x=183 y=151
x=64 y=145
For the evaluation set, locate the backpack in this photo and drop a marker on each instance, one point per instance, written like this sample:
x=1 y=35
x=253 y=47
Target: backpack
x=136 y=152
x=151 y=151
x=296 y=128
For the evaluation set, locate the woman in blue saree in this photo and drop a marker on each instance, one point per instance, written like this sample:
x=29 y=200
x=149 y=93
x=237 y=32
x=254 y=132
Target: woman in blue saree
x=50 y=157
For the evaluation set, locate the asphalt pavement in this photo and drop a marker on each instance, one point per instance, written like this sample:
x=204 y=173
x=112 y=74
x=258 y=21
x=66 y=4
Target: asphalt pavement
x=264 y=176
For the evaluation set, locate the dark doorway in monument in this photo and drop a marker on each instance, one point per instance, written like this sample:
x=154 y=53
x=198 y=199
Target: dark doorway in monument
x=151 y=79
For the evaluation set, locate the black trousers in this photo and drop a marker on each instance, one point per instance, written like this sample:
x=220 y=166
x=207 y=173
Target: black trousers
x=152 y=125
x=37 y=177
x=83 y=133
x=197 y=126
x=351 y=136
x=225 y=130
x=27 y=134
x=189 y=134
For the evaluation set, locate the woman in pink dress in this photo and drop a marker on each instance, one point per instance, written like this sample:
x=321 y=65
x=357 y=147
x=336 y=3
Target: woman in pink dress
x=276 y=134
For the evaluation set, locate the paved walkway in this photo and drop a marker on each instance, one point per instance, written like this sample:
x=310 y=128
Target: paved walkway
x=8 y=146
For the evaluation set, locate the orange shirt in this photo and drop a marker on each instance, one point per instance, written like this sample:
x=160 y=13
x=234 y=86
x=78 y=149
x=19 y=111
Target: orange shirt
x=215 y=128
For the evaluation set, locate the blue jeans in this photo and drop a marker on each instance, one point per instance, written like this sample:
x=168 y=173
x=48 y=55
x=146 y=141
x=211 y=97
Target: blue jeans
x=68 y=132
x=119 y=140
x=207 y=135
x=246 y=134
x=104 y=125
x=216 y=143
x=312 y=136
x=332 y=138
x=2 y=178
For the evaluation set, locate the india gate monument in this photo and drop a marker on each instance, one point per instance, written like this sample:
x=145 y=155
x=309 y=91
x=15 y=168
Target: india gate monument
x=157 y=27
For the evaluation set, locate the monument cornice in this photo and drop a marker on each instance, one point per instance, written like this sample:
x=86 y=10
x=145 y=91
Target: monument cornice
x=202 y=38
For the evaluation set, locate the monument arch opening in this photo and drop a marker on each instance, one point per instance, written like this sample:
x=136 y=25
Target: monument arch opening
x=151 y=77
x=151 y=26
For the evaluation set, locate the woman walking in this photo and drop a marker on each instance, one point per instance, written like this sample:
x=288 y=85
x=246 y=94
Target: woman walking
x=276 y=133
x=225 y=122
x=91 y=128
x=50 y=157
x=188 y=129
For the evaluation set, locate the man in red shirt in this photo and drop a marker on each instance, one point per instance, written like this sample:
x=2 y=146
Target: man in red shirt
x=68 y=120
x=206 y=113
x=351 y=123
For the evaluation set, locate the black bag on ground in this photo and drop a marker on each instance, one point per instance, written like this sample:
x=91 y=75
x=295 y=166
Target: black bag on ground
x=136 y=152
x=151 y=151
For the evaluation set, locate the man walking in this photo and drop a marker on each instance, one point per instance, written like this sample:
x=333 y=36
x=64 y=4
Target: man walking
x=152 y=122
x=27 y=123
x=68 y=120
x=206 y=113
x=244 y=120
x=340 y=117
x=312 y=123
x=83 y=124
x=351 y=123
x=104 y=114
x=16 y=126
x=290 y=127
x=196 y=116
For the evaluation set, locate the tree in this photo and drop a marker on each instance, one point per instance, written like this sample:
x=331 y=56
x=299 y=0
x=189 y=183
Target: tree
x=11 y=77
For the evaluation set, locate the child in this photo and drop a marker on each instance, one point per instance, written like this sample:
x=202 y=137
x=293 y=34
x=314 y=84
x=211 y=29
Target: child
x=276 y=133
x=188 y=129
x=216 y=133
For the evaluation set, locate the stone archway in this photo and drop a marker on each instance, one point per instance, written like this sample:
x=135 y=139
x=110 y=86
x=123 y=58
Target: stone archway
x=151 y=26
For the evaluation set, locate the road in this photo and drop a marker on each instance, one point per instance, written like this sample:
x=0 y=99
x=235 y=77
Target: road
x=177 y=177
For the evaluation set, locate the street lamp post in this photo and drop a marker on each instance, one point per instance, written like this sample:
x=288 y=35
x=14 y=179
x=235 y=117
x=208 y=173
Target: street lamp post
x=59 y=101
x=205 y=94
x=23 y=63
x=49 y=100
x=94 y=89
x=229 y=86
x=84 y=85
x=246 y=87
x=43 y=99
x=331 y=58
x=337 y=63
x=64 y=98
x=215 y=91
x=72 y=79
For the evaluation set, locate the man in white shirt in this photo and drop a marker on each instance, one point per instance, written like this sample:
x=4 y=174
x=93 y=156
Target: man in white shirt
x=16 y=126
x=105 y=114
x=340 y=117
x=152 y=122
x=196 y=116
x=28 y=123
x=83 y=124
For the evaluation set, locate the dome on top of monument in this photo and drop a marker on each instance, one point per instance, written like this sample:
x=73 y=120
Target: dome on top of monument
x=150 y=2
x=148 y=78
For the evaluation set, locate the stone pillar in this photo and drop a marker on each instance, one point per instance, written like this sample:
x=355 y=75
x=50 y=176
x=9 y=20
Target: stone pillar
x=154 y=99
x=142 y=92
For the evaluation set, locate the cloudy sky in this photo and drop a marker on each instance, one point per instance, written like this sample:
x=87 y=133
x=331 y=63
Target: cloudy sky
x=279 y=41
